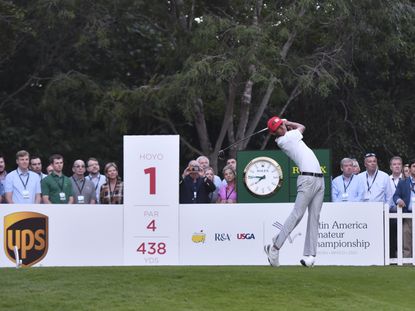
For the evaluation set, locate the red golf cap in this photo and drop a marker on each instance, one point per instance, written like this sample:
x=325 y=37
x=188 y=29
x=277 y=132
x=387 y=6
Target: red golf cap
x=274 y=123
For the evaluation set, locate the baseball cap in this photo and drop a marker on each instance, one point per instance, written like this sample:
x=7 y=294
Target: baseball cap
x=274 y=123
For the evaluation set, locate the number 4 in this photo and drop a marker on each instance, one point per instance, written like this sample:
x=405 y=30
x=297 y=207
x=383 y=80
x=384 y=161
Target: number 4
x=152 y=225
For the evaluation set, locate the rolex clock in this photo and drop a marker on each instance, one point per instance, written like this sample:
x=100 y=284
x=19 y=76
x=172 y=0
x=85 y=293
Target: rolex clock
x=263 y=176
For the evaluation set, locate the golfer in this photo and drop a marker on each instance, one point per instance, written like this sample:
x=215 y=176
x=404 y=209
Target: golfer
x=310 y=189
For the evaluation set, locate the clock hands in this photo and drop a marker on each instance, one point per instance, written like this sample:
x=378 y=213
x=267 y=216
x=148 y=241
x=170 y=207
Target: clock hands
x=260 y=178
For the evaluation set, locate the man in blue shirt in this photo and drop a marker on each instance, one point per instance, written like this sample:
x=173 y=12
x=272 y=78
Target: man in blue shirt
x=347 y=187
x=22 y=186
x=404 y=198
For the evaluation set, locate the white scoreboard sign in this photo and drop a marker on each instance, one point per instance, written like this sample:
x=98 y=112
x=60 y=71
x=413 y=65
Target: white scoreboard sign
x=151 y=200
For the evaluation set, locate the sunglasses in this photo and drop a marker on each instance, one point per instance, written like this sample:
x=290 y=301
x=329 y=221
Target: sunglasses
x=367 y=155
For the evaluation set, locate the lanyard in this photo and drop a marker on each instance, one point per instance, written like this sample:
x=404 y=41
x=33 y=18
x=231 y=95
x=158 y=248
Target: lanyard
x=77 y=186
x=395 y=184
x=344 y=184
x=373 y=181
x=96 y=186
x=113 y=190
x=27 y=180
x=56 y=181
x=228 y=195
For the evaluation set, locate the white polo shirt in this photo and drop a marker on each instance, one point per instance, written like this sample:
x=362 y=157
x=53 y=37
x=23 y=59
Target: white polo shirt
x=293 y=146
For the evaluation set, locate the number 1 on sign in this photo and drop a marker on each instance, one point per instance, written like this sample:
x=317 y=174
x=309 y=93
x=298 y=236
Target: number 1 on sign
x=152 y=172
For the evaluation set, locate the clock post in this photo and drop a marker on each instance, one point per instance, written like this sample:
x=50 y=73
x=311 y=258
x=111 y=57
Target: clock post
x=262 y=170
x=288 y=189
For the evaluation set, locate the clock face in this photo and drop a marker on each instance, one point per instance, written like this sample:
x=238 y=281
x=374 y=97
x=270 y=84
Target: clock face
x=263 y=176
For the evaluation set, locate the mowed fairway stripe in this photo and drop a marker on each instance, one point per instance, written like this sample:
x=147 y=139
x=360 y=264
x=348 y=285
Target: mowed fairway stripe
x=208 y=288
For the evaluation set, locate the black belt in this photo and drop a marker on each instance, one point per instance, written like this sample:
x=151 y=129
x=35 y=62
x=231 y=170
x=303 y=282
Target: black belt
x=312 y=174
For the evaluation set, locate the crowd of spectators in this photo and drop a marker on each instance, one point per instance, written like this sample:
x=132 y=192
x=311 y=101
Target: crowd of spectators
x=396 y=189
x=27 y=184
x=200 y=184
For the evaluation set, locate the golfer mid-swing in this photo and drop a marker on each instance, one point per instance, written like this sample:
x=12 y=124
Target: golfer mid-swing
x=310 y=189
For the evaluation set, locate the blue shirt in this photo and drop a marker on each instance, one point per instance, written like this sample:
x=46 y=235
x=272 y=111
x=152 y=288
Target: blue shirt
x=353 y=188
x=24 y=186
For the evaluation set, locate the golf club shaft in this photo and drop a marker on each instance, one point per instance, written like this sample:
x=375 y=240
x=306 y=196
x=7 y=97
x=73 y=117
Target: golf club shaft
x=245 y=138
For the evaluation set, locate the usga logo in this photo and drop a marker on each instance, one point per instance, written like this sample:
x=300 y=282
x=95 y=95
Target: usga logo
x=28 y=231
x=245 y=236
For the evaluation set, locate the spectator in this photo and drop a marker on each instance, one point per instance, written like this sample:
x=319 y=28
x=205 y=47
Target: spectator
x=205 y=164
x=193 y=187
x=49 y=169
x=210 y=173
x=356 y=167
x=347 y=187
x=375 y=181
x=227 y=193
x=36 y=166
x=95 y=176
x=83 y=189
x=112 y=192
x=406 y=172
x=404 y=198
x=395 y=164
x=3 y=172
x=2 y=193
x=232 y=162
x=56 y=187
x=3 y=175
x=22 y=185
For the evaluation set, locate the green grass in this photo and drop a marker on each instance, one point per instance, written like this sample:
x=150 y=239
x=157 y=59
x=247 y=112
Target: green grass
x=208 y=288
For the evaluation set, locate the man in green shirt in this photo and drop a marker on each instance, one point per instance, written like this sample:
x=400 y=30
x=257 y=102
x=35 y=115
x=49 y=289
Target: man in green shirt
x=56 y=187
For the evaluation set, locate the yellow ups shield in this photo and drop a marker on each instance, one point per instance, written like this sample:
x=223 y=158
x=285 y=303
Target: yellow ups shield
x=29 y=232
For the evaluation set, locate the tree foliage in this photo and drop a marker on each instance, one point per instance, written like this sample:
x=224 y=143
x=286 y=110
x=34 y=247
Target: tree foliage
x=77 y=75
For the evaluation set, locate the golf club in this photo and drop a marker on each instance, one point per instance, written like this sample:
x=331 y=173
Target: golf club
x=221 y=153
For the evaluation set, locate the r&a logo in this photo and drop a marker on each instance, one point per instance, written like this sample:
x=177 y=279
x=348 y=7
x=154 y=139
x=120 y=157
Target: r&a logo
x=28 y=231
x=222 y=237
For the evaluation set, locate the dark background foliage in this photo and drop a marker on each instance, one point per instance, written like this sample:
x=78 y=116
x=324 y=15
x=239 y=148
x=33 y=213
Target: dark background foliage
x=75 y=76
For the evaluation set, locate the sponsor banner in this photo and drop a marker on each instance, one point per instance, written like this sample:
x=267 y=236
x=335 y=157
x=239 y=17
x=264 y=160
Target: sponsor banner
x=62 y=235
x=349 y=234
x=151 y=209
x=214 y=234
x=25 y=237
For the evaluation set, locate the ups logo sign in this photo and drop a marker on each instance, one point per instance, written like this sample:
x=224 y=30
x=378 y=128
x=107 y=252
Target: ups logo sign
x=27 y=231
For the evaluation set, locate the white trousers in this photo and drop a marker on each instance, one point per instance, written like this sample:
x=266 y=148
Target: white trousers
x=310 y=194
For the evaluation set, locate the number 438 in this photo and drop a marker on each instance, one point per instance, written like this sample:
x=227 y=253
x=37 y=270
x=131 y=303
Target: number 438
x=152 y=248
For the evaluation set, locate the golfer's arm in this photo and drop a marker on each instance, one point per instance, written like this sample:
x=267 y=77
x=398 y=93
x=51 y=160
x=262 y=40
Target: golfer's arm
x=295 y=126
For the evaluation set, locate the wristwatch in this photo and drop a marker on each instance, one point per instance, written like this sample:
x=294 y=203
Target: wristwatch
x=263 y=176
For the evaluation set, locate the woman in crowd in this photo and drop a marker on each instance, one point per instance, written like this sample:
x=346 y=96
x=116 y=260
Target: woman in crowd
x=227 y=192
x=112 y=192
x=210 y=174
